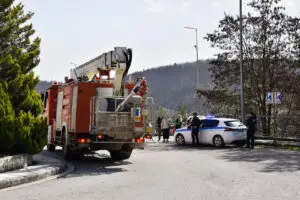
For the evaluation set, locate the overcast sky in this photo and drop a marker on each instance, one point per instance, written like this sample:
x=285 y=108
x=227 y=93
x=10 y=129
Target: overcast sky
x=78 y=30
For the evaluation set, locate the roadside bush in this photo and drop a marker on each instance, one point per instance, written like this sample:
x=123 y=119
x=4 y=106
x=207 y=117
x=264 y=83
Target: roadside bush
x=31 y=133
x=22 y=134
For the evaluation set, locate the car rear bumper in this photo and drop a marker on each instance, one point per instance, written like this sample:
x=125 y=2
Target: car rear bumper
x=235 y=139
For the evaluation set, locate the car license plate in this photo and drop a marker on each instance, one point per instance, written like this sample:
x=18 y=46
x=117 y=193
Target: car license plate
x=238 y=132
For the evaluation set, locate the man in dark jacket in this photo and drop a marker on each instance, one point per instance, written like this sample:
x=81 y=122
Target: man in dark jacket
x=251 y=124
x=158 y=128
x=195 y=125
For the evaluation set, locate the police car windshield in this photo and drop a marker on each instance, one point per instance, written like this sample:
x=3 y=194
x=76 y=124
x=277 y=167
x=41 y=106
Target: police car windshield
x=235 y=123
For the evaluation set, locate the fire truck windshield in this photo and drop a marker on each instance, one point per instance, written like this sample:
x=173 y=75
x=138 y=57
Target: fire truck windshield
x=110 y=105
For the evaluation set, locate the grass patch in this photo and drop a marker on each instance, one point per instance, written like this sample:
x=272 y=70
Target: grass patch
x=289 y=147
x=283 y=147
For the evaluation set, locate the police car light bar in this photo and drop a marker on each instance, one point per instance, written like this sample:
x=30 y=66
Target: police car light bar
x=209 y=116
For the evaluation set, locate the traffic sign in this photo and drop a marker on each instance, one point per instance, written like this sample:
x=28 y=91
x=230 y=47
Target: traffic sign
x=277 y=98
x=274 y=98
x=269 y=98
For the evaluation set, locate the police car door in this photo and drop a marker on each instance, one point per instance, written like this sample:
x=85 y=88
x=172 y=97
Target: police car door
x=208 y=130
x=188 y=131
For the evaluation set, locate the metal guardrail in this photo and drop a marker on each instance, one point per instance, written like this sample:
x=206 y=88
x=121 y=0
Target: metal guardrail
x=278 y=128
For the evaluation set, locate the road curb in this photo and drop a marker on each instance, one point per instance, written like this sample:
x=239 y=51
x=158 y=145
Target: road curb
x=69 y=169
x=15 y=162
x=34 y=176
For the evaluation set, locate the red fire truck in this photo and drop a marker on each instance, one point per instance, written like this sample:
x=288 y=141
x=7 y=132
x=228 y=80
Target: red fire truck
x=92 y=111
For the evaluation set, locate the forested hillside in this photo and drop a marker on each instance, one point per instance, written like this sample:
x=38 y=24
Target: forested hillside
x=171 y=85
x=174 y=85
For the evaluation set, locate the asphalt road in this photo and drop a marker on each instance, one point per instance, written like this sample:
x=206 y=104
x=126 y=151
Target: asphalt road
x=170 y=172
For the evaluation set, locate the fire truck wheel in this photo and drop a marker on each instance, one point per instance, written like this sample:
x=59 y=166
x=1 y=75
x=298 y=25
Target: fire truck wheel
x=67 y=154
x=79 y=154
x=51 y=147
x=120 y=154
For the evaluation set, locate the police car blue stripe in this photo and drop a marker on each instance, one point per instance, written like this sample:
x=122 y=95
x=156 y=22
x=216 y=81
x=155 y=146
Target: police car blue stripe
x=205 y=128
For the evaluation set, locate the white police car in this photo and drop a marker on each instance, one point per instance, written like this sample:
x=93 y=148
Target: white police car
x=215 y=131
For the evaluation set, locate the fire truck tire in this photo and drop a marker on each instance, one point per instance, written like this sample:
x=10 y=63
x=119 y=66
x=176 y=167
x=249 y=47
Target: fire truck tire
x=51 y=147
x=67 y=153
x=79 y=154
x=120 y=154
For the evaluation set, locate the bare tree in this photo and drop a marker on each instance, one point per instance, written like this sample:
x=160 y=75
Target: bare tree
x=271 y=52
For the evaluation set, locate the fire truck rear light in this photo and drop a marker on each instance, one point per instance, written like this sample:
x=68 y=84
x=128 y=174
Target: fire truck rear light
x=139 y=140
x=148 y=136
x=82 y=140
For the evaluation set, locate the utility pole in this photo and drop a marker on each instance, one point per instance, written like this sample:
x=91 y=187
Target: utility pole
x=197 y=59
x=241 y=64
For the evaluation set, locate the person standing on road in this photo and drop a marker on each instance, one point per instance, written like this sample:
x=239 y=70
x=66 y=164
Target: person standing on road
x=251 y=124
x=165 y=126
x=178 y=123
x=195 y=125
x=158 y=127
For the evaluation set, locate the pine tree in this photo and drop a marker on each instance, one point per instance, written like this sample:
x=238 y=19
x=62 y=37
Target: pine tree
x=19 y=55
x=6 y=120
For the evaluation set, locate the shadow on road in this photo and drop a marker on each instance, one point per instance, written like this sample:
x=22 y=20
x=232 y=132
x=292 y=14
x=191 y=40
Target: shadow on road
x=189 y=147
x=272 y=160
x=97 y=164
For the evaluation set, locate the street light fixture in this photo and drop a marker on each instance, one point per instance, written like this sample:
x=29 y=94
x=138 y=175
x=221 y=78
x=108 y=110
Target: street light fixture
x=241 y=64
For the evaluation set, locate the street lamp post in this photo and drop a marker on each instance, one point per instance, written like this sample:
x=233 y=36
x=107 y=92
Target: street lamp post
x=241 y=64
x=197 y=67
x=196 y=47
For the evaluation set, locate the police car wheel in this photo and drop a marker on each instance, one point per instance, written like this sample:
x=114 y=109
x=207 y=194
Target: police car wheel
x=180 y=139
x=218 y=141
